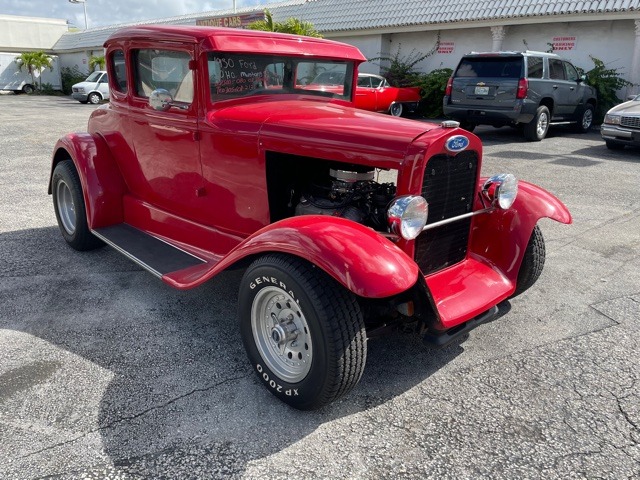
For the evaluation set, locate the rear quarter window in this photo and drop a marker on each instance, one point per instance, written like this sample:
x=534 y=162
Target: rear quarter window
x=490 y=67
x=534 y=67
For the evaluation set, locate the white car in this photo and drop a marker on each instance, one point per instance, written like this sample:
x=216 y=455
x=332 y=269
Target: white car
x=93 y=90
x=621 y=125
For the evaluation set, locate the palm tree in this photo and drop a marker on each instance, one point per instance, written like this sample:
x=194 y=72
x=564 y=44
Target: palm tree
x=34 y=62
x=294 y=26
x=97 y=61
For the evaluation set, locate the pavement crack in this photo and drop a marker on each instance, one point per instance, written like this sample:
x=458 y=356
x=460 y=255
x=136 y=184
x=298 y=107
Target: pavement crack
x=137 y=415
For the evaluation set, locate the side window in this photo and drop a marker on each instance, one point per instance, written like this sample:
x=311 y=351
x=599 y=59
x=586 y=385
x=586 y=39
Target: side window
x=104 y=78
x=534 y=67
x=119 y=71
x=364 y=82
x=166 y=69
x=556 y=69
x=570 y=70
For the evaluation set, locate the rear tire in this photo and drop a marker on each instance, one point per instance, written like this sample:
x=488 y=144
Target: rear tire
x=532 y=263
x=68 y=203
x=395 y=109
x=28 y=89
x=303 y=332
x=537 y=129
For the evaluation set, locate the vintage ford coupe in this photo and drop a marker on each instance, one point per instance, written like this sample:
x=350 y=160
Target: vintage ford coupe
x=216 y=152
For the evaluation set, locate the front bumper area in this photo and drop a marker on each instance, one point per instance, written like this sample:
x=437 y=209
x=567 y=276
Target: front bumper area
x=81 y=97
x=620 y=134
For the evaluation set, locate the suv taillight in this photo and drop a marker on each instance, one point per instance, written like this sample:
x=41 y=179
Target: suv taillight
x=523 y=86
x=447 y=91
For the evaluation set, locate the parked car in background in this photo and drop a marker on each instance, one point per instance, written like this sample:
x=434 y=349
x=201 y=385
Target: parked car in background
x=621 y=125
x=529 y=89
x=373 y=93
x=93 y=90
x=213 y=154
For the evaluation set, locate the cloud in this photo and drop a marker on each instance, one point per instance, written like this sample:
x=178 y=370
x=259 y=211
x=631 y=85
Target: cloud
x=113 y=12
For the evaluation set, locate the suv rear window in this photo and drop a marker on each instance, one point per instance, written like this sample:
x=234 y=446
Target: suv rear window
x=490 y=67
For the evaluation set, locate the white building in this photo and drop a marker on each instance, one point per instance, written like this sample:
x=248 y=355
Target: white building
x=605 y=29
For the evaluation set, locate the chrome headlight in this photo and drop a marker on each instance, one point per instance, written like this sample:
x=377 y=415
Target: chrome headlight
x=80 y=89
x=407 y=216
x=501 y=190
x=612 y=119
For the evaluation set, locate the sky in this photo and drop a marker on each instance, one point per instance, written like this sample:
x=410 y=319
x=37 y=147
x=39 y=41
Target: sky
x=111 y=12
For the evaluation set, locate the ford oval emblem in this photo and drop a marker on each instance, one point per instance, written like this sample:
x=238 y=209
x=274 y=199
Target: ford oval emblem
x=457 y=143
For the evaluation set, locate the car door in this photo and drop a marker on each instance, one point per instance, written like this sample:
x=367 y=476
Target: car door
x=365 y=94
x=575 y=97
x=564 y=90
x=167 y=170
x=103 y=86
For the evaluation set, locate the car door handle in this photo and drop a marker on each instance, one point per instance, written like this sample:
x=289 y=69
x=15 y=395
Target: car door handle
x=555 y=87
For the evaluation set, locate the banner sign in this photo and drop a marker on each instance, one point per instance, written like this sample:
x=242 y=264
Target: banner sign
x=446 y=47
x=563 y=43
x=230 y=21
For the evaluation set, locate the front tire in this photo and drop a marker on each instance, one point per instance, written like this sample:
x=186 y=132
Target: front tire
x=611 y=145
x=94 y=98
x=68 y=204
x=537 y=129
x=532 y=263
x=396 y=109
x=303 y=332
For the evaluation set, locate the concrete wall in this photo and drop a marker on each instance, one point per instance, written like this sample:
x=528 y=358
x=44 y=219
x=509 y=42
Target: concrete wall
x=611 y=41
x=79 y=60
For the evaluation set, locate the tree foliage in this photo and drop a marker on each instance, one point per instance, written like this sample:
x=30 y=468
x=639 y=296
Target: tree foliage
x=34 y=62
x=433 y=85
x=400 y=70
x=607 y=82
x=97 y=61
x=293 y=26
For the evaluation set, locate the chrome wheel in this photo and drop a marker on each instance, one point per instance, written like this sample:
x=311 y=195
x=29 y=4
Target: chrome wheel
x=281 y=334
x=543 y=124
x=66 y=207
x=587 y=119
x=395 y=109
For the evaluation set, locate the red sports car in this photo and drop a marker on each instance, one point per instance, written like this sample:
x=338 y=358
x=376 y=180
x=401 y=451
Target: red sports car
x=373 y=92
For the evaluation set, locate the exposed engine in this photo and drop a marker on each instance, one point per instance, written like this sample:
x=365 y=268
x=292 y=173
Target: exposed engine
x=351 y=194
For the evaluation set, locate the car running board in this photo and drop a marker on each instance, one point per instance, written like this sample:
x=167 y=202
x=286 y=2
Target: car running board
x=151 y=253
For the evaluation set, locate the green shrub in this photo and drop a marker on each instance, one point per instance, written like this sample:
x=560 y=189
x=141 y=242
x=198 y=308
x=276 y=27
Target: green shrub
x=399 y=70
x=433 y=85
x=607 y=82
x=71 y=76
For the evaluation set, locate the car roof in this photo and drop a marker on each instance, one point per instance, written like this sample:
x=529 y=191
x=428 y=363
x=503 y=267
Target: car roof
x=512 y=53
x=238 y=40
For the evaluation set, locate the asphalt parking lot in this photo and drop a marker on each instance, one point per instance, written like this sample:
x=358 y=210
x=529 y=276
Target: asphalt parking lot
x=105 y=372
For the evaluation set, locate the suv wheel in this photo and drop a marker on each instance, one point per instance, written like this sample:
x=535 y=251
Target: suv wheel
x=303 y=332
x=94 y=98
x=585 y=122
x=537 y=129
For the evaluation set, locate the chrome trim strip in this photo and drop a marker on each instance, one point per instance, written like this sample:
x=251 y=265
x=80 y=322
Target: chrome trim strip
x=127 y=254
x=455 y=219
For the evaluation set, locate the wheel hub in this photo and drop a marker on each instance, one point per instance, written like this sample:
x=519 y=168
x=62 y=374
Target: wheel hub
x=281 y=334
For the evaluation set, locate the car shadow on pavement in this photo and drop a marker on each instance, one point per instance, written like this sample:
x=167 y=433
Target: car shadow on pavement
x=175 y=378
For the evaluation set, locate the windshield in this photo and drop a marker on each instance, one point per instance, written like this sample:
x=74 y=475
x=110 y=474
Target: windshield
x=93 y=77
x=233 y=75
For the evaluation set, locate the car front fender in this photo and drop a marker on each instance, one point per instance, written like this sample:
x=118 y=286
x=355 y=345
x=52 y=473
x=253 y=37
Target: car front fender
x=357 y=257
x=102 y=184
x=501 y=236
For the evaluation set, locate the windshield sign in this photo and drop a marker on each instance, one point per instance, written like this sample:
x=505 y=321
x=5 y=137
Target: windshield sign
x=235 y=75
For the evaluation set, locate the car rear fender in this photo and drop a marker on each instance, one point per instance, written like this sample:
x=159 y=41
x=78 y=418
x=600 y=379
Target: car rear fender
x=102 y=183
x=357 y=257
x=501 y=237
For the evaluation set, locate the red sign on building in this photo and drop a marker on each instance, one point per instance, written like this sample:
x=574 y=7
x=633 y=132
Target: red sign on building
x=563 y=43
x=446 y=47
x=231 y=21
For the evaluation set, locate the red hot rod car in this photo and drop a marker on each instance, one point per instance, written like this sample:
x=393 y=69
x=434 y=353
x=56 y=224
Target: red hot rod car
x=214 y=154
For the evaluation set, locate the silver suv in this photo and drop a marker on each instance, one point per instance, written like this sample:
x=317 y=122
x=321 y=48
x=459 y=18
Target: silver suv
x=529 y=89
